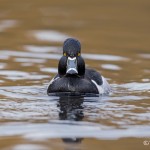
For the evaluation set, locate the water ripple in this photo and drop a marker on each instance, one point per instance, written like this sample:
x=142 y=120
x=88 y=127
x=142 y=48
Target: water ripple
x=5 y=24
x=136 y=86
x=111 y=67
x=42 y=49
x=57 y=56
x=43 y=131
x=20 y=75
x=49 y=35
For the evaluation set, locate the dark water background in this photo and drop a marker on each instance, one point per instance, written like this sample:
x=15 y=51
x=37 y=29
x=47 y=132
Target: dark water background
x=115 y=37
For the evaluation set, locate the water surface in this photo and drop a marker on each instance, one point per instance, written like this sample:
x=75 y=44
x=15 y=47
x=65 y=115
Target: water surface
x=115 y=42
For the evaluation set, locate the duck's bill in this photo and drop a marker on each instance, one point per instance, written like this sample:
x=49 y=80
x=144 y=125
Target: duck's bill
x=72 y=66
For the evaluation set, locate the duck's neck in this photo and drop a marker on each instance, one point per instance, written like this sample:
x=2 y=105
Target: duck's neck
x=81 y=66
x=62 y=66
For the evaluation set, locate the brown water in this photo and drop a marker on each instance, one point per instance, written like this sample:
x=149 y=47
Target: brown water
x=115 y=37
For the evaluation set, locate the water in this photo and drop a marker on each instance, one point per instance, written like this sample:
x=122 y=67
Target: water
x=115 y=41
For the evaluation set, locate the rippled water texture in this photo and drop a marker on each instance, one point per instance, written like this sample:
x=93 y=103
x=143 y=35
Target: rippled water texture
x=115 y=41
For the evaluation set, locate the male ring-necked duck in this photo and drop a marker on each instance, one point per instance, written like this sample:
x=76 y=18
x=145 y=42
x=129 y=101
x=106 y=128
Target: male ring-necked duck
x=72 y=75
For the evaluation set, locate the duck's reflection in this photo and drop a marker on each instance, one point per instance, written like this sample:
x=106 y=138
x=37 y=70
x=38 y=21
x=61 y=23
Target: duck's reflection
x=71 y=109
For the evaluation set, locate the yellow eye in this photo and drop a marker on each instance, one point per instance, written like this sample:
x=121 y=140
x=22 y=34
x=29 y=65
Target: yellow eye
x=64 y=54
x=79 y=54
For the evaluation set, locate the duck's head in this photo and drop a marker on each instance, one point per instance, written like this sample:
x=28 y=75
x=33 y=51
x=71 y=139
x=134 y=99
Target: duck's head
x=71 y=63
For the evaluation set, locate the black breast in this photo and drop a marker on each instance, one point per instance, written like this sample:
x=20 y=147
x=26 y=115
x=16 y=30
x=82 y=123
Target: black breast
x=72 y=84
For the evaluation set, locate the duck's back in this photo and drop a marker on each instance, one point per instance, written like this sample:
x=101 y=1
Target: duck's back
x=93 y=75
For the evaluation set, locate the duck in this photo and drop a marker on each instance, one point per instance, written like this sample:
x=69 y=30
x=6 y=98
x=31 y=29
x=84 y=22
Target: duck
x=73 y=77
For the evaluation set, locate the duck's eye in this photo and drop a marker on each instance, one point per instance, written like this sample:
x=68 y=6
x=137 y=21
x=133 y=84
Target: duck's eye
x=79 y=54
x=64 y=54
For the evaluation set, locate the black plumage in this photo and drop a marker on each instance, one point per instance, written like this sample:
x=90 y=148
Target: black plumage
x=72 y=75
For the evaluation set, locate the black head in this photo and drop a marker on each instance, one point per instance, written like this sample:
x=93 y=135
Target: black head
x=71 y=48
x=71 y=62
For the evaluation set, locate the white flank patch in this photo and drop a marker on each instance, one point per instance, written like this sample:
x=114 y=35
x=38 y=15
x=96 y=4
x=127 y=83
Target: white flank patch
x=100 y=89
x=104 y=88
